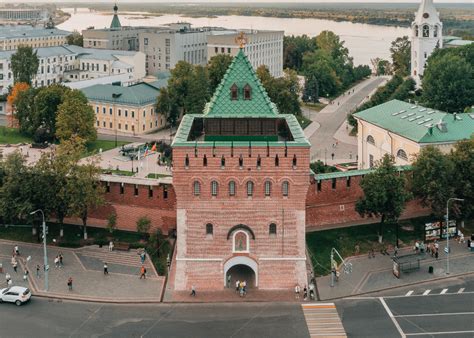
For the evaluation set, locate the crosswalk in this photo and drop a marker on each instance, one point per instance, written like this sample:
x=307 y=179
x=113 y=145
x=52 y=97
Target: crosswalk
x=429 y=292
x=323 y=320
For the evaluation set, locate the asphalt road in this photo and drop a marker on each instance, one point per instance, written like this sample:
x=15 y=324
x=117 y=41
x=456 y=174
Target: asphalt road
x=41 y=318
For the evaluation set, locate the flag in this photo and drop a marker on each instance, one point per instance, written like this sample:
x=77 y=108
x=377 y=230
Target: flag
x=146 y=151
x=154 y=147
x=138 y=158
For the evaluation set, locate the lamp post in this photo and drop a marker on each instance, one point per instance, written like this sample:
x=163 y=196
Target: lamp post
x=46 y=267
x=447 y=230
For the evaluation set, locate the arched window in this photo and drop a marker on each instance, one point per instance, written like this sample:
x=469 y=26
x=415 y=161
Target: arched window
x=294 y=160
x=259 y=161
x=241 y=161
x=204 y=161
x=222 y=161
x=268 y=188
x=277 y=161
x=214 y=188
x=426 y=31
x=370 y=140
x=272 y=229
x=402 y=154
x=417 y=30
x=435 y=32
x=197 y=188
x=209 y=229
x=231 y=188
x=234 y=92
x=247 y=92
x=186 y=161
x=249 y=188
x=285 y=187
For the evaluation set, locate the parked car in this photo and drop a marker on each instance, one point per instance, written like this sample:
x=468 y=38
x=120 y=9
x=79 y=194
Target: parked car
x=15 y=294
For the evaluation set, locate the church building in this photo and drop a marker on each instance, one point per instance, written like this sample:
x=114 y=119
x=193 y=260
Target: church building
x=241 y=175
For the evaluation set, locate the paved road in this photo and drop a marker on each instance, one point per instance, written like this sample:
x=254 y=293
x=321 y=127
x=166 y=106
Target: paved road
x=439 y=309
x=41 y=318
x=323 y=139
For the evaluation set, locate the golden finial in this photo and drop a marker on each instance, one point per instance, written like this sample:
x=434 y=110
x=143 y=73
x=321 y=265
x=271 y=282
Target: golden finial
x=241 y=40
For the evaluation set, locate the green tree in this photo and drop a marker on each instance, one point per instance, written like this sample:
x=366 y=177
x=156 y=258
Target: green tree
x=383 y=67
x=448 y=83
x=294 y=48
x=75 y=118
x=401 y=55
x=198 y=91
x=216 y=68
x=311 y=89
x=166 y=105
x=24 y=64
x=320 y=65
x=24 y=105
x=384 y=193
x=463 y=160
x=143 y=225
x=432 y=180
x=111 y=222
x=75 y=39
x=178 y=83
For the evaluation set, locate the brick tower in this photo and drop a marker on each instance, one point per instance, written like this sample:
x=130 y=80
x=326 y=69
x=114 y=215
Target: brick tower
x=241 y=174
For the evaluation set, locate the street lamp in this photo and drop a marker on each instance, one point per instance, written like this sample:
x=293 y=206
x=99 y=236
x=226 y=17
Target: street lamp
x=46 y=267
x=447 y=230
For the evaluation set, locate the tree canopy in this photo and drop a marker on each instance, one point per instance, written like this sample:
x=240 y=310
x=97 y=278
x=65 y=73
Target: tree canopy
x=401 y=55
x=217 y=68
x=24 y=64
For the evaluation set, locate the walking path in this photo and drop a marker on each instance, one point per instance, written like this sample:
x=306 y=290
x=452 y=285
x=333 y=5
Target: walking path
x=85 y=266
x=329 y=125
x=375 y=274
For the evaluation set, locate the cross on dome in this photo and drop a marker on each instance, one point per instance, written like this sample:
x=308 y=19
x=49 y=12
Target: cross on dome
x=241 y=39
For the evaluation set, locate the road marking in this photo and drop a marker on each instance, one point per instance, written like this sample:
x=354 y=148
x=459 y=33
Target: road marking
x=390 y=314
x=443 y=291
x=437 y=333
x=323 y=320
x=426 y=292
x=461 y=290
x=409 y=293
x=437 y=314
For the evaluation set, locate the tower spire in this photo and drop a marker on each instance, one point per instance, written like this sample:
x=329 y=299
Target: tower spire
x=115 y=24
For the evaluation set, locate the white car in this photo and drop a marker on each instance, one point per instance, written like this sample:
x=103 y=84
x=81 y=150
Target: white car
x=15 y=294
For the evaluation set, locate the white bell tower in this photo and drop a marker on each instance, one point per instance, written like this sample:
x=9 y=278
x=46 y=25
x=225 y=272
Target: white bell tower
x=426 y=35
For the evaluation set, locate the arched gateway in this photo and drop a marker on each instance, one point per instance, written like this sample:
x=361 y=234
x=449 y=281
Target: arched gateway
x=241 y=268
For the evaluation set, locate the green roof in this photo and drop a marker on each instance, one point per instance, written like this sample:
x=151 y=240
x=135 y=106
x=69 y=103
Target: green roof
x=137 y=95
x=419 y=124
x=115 y=24
x=240 y=73
x=350 y=173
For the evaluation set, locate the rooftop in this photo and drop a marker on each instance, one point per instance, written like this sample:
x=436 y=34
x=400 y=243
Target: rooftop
x=418 y=123
x=26 y=31
x=350 y=173
x=137 y=95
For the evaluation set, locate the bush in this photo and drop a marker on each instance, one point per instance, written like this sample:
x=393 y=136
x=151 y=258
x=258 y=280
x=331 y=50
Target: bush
x=143 y=225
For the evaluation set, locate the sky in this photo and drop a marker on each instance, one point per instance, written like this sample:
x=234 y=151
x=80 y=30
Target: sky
x=221 y=1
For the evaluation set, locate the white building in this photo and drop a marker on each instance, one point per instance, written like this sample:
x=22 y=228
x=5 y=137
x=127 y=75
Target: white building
x=262 y=47
x=426 y=36
x=73 y=64
x=13 y=36
x=176 y=42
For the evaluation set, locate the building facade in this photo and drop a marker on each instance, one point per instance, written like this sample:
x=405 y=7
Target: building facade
x=179 y=42
x=63 y=64
x=427 y=34
x=13 y=36
x=240 y=175
x=126 y=110
x=23 y=14
x=262 y=47
x=402 y=129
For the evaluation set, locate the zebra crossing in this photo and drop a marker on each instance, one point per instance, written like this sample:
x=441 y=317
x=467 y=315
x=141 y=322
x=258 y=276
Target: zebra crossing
x=323 y=320
x=429 y=292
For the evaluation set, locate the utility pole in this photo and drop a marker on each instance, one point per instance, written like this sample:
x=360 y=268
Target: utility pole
x=447 y=230
x=46 y=267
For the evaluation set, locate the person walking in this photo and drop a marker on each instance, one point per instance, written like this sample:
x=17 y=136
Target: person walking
x=193 y=291
x=305 y=293
x=56 y=262
x=106 y=269
x=244 y=286
x=60 y=259
x=228 y=280
x=8 y=278
x=143 y=272
x=25 y=275
x=436 y=253
x=297 y=291
x=111 y=246
x=15 y=266
x=237 y=284
x=69 y=283
x=17 y=250
x=38 y=271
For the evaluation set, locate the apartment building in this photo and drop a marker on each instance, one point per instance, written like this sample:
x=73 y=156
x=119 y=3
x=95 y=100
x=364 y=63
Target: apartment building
x=13 y=36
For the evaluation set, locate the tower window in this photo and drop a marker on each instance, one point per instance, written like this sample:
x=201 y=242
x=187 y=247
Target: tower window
x=272 y=229
x=277 y=161
x=268 y=188
x=241 y=161
x=186 y=161
x=150 y=191
x=122 y=189
x=136 y=190
x=402 y=154
x=222 y=161
x=259 y=161
x=249 y=188
x=416 y=30
x=231 y=188
x=285 y=187
x=435 y=33
x=234 y=92
x=214 y=188
x=370 y=140
x=247 y=92
x=209 y=229
x=294 y=161
x=426 y=31
x=197 y=188
x=333 y=185
x=204 y=161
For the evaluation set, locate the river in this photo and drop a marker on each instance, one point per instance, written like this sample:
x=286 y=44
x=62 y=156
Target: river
x=363 y=41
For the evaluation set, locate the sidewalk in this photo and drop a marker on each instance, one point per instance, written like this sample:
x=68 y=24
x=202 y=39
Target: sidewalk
x=85 y=266
x=375 y=274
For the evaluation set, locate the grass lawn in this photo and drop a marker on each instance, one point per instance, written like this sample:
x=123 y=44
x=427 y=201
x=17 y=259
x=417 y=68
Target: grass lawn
x=93 y=147
x=118 y=172
x=12 y=136
x=317 y=107
x=157 y=175
x=304 y=122
x=320 y=243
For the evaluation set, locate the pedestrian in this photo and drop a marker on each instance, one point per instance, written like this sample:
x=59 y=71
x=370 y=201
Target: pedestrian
x=60 y=259
x=143 y=256
x=111 y=246
x=106 y=271
x=311 y=291
x=8 y=278
x=17 y=250
x=69 y=283
x=305 y=293
x=143 y=272
x=297 y=291
x=15 y=266
x=244 y=286
x=332 y=156
x=25 y=275
x=56 y=262
x=436 y=253
x=237 y=284
x=37 y=271
x=228 y=281
x=193 y=291
x=357 y=249
x=13 y=260
x=241 y=289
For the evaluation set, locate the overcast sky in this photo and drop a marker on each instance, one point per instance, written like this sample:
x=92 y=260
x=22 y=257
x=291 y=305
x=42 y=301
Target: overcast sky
x=186 y=1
